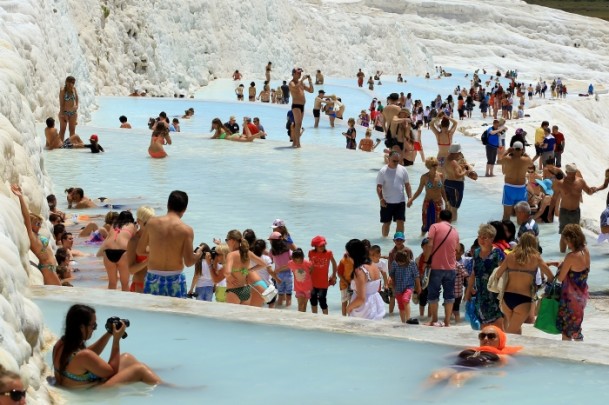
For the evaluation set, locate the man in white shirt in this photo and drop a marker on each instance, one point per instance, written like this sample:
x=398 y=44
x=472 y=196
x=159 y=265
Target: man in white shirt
x=391 y=182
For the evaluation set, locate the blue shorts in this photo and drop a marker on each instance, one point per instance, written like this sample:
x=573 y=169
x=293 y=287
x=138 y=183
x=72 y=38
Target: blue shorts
x=285 y=287
x=204 y=293
x=444 y=279
x=514 y=194
x=169 y=286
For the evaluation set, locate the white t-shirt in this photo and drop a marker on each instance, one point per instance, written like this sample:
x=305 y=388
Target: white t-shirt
x=205 y=278
x=383 y=266
x=264 y=273
x=393 y=181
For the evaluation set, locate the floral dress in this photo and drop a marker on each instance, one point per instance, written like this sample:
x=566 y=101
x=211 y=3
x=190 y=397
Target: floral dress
x=487 y=303
x=573 y=299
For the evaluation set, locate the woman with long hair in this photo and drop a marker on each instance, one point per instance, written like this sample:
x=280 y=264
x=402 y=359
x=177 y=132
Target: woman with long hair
x=138 y=264
x=113 y=250
x=160 y=136
x=236 y=268
x=79 y=366
x=435 y=196
x=521 y=266
x=366 y=302
x=68 y=108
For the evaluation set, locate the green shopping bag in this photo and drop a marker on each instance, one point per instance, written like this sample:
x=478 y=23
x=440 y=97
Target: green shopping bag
x=548 y=312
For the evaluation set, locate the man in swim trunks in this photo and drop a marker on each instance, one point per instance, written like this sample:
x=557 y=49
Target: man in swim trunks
x=297 y=89
x=317 y=106
x=570 y=189
x=168 y=243
x=454 y=178
x=515 y=163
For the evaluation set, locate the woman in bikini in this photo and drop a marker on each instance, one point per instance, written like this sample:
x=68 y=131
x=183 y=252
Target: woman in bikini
x=68 y=107
x=221 y=132
x=113 y=250
x=79 y=366
x=39 y=245
x=236 y=268
x=160 y=136
x=138 y=264
x=435 y=196
x=444 y=134
x=521 y=266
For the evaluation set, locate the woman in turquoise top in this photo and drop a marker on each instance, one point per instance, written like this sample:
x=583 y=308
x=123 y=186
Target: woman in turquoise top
x=68 y=108
x=78 y=366
x=435 y=196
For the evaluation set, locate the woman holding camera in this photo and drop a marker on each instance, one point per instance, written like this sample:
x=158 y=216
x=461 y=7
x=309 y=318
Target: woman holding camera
x=79 y=366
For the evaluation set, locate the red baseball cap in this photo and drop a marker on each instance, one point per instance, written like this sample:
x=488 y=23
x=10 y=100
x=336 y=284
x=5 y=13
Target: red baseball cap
x=94 y=138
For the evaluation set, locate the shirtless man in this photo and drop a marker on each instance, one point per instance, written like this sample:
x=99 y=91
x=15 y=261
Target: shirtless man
x=317 y=106
x=265 y=96
x=400 y=126
x=53 y=141
x=267 y=72
x=571 y=188
x=168 y=243
x=319 y=78
x=360 y=78
x=297 y=89
x=39 y=245
x=391 y=110
x=77 y=199
x=455 y=170
x=515 y=164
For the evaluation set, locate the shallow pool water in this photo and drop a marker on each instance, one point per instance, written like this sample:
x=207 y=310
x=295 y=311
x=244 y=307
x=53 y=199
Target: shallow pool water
x=216 y=361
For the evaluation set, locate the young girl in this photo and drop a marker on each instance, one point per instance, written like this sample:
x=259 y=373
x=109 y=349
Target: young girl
x=267 y=274
x=416 y=139
x=280 y=253
x=350 y=134
x=321 y=259
x=404 y=277
x=202 y=283
x=303 y=283
x=216 y=270
x=364 y=119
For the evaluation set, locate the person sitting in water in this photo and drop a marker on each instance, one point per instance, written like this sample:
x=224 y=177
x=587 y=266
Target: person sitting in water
x=160 y=136
x=52 y=201
x=175 y=125
x=188 y=113
x=222 y=132
x=491 y=352
x=53 y=140
x=77 y=199
x=79 y=366
x=94 y=145
x=124 y=122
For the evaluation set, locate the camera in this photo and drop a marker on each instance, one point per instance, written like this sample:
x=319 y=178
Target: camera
x=116 y=321
x=213 y=253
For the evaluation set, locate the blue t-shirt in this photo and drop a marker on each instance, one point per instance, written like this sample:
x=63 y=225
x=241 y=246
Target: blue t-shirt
x=403 y=276
x=493 y=139
x=549 y=143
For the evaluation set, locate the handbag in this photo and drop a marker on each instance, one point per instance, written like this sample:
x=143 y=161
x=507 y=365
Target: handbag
x=548 y=312
x=427 y=269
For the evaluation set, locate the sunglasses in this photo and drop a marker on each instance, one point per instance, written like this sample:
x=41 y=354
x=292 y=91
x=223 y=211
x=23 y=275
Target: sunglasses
x=15 y=395
x=489 y=336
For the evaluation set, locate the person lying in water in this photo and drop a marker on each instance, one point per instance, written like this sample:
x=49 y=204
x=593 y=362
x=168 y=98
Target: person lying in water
x=222 y=132
x=492 y=352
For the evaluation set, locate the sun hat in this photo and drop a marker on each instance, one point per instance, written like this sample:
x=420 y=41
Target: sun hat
x=275 y=236
x=318 y=241
x=546 y=185
x=399 y=236
x=277 y=223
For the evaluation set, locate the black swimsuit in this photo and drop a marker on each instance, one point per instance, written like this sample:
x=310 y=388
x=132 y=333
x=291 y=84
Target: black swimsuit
x=299 y=106
x=511 y=299
x=114 y=255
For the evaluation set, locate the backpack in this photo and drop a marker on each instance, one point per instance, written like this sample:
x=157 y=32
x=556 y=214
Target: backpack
x=484 y=137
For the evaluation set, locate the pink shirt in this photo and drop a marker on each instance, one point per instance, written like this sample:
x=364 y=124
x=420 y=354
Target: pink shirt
x=444 y=258
x=303 y=282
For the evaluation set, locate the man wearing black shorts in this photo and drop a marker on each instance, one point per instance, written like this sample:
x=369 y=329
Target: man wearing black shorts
x=317 y=106
x=391 y=182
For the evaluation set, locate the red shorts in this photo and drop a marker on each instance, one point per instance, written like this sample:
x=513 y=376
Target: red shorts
x=417 y=146
x=403 y=298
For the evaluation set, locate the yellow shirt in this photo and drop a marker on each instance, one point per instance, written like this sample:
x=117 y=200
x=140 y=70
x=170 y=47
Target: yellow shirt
x=539 y=135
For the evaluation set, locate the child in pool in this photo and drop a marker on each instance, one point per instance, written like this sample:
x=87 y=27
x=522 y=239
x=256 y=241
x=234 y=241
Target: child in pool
x=351 y=134
x=94 y=145
x=321 y=259
x=303 y=282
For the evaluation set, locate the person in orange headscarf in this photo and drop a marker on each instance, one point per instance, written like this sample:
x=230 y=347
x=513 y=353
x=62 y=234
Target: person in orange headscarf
x=491 y=352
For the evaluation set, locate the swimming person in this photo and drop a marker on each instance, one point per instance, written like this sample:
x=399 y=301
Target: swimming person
x=39 y=245
x=168 y=243
x=492 y=352
x=79 y=366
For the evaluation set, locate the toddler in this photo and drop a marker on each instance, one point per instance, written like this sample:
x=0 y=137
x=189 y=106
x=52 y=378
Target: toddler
x=404 y=277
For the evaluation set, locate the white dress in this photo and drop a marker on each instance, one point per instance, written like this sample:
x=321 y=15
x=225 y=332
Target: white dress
x=374 y=307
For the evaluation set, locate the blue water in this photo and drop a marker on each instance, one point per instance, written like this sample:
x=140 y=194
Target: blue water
x=224 y=362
